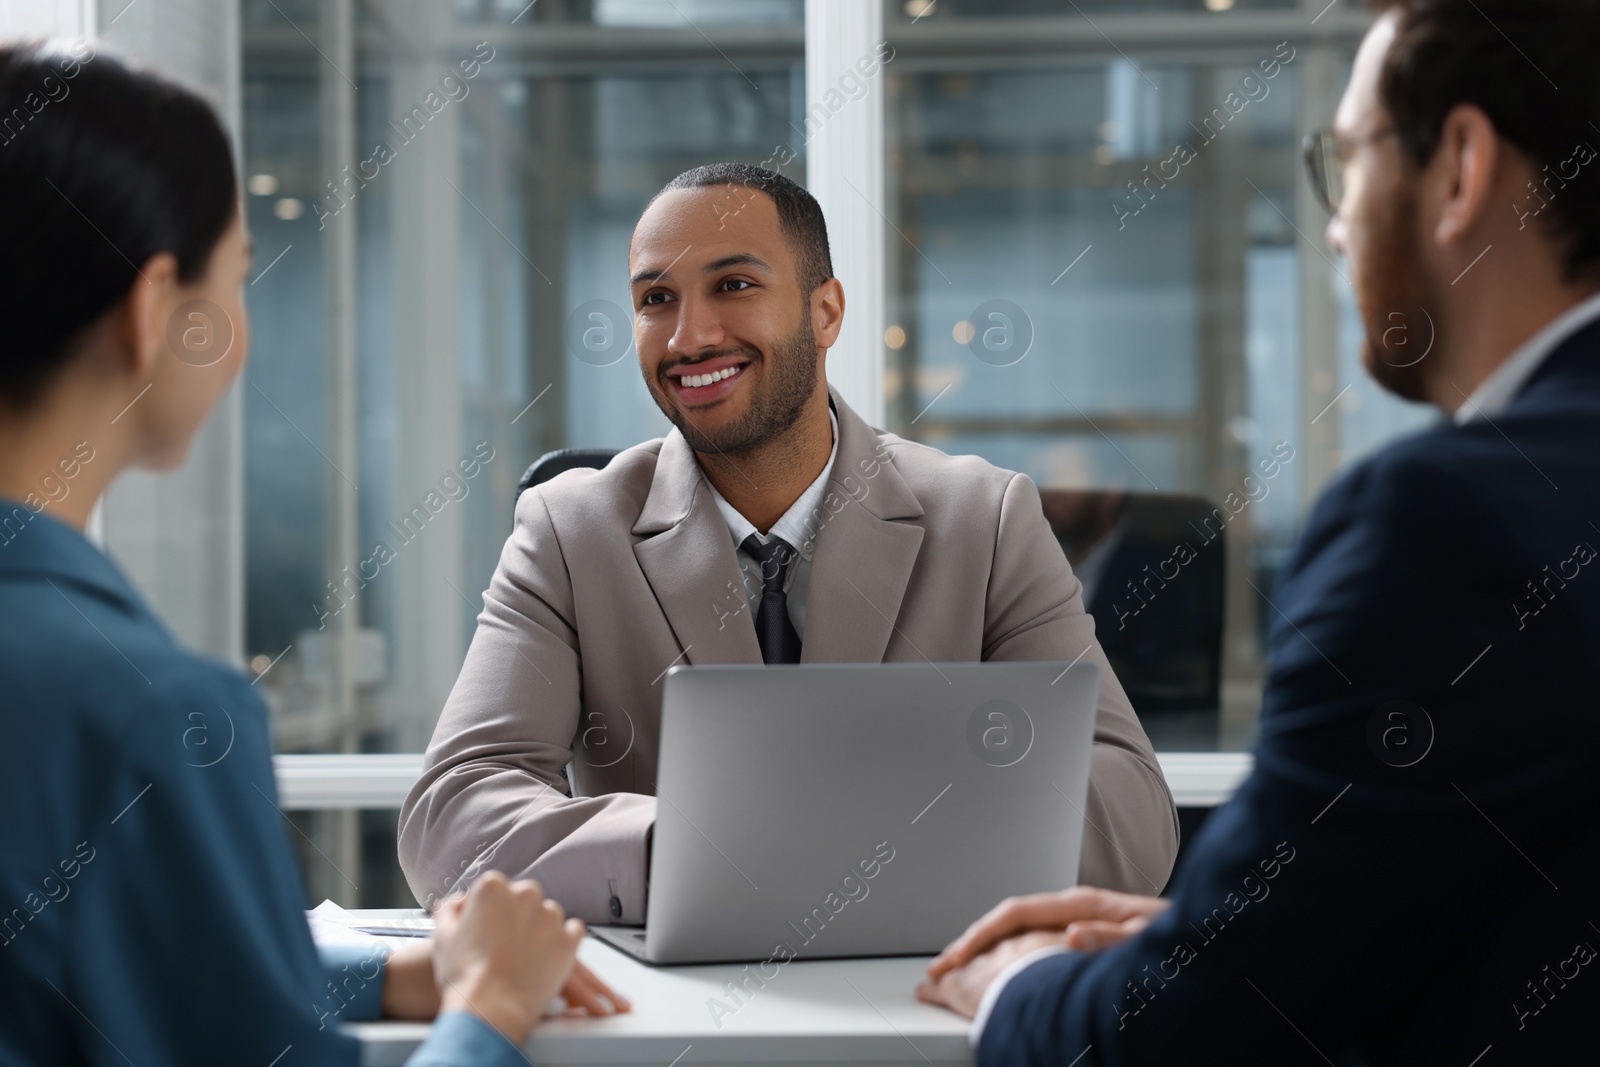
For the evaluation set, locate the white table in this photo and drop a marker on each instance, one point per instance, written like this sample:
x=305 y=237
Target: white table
x=836 y=1012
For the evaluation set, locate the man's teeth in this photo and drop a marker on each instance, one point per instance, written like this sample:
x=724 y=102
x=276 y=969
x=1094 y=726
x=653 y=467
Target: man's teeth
x=695 y=381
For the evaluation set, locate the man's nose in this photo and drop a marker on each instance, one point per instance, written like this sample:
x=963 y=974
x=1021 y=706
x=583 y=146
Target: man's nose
x=698 y=328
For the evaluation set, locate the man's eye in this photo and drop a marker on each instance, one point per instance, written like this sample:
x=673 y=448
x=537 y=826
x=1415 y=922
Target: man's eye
x=740 y=282
x=654 y=298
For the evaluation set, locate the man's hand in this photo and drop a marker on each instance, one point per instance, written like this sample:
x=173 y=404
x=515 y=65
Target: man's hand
x=961 y=988
x=1085 y=920
x=501 y=952
x=410 y=991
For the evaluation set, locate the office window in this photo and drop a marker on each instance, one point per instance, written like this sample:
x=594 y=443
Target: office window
x=487 y=315
x=1102 y=269
x=1013 y=8
x=1097 y=266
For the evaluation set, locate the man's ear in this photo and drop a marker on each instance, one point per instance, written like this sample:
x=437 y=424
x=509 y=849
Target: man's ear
x=1467 y=164
x=827 y=312
x=143 y=326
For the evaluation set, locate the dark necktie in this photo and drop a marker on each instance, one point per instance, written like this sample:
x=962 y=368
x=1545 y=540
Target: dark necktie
x=775 y=633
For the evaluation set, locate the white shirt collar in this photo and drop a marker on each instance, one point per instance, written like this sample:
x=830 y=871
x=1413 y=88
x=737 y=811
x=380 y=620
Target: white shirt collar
x=1496 y=391
x=793 y=526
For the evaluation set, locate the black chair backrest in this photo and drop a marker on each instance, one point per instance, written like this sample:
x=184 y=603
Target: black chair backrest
x=1158 y=609
x=561 y=460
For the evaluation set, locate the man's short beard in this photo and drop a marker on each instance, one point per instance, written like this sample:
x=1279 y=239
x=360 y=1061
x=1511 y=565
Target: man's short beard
x=790 y=383
x=1393 y=295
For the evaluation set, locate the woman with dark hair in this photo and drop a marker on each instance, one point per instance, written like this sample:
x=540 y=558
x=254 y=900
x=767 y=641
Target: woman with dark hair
x=150 y=910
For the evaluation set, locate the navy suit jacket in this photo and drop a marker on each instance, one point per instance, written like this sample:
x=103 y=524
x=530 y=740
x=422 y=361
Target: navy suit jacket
x=1409 y=875
x=150 y=906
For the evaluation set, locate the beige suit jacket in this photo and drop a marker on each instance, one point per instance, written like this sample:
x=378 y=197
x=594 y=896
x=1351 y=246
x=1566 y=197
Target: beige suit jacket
x=612 y=576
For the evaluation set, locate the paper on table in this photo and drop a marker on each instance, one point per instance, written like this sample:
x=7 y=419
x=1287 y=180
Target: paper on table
x=333 y=925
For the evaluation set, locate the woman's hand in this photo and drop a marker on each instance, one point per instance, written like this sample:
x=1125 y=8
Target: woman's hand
x=410 y=991
x=586 y=994
x=501 y=952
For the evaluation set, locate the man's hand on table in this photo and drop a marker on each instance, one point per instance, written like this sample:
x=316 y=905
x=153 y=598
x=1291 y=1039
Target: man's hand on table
x=500 y=952
x=961 y=988
x=1082 y=919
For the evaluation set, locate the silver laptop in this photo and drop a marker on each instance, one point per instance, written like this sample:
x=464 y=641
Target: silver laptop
x=818 y=810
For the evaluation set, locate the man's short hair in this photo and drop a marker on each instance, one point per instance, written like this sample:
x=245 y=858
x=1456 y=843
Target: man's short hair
x=799 y=214
x=1508 y=57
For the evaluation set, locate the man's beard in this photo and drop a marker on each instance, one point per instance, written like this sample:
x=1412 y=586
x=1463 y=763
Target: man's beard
x=1394 y=295
x=790 y=381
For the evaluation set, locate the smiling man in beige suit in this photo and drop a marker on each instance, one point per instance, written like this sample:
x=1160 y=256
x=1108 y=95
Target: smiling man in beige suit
x=771 y=525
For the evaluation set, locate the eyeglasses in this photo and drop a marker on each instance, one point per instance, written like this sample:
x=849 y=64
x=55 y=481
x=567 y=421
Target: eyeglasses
x=1326 y=155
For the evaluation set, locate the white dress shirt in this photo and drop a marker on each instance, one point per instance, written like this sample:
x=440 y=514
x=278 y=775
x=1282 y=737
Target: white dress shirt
x=796 y=526
x=1495 y=392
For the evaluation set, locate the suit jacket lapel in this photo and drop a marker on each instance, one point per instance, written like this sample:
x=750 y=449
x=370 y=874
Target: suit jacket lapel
x=863 y=558
x=687 y=557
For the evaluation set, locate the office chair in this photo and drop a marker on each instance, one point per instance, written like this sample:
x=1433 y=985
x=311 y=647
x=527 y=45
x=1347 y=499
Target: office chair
x=548 y=466
x=1163 y=636
x=1158 y=612
x=551 y=464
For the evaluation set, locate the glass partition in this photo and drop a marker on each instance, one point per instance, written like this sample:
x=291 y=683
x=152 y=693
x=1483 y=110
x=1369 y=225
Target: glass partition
x=1102 y=270
x=1099 y=261
x=493 y=160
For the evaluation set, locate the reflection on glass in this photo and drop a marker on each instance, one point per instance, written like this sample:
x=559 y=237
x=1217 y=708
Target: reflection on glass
x=493 y=178
x=1151 y=566
x=1095 y=283
x=637 y=13
x=493 y=209
x=916 y=10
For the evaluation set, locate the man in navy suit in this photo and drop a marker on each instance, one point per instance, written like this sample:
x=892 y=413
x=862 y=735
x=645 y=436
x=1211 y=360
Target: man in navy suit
x=1409 y=874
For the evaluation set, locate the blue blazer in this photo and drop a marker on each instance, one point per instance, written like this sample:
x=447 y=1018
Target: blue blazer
x=1409 y=875
x=150 y=906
